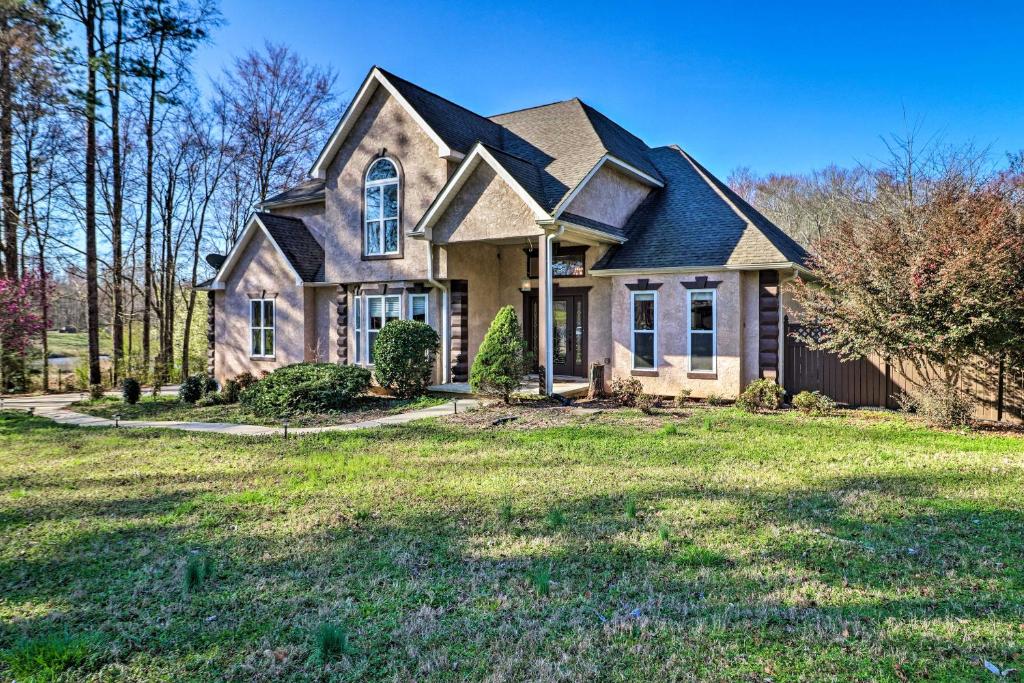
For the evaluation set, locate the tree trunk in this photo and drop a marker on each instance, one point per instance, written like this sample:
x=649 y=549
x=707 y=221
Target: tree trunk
x=114 y=94
x=7 y=160
x=91 y=284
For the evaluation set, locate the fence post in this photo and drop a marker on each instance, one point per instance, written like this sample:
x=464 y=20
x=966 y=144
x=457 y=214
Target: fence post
x=999 y=390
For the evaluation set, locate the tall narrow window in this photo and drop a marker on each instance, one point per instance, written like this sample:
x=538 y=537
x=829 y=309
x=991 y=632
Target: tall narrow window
x=381 y=209
x=358 y=301
x=418 y=308
x=645 y=334
x=261 y=328
x=701 y=329
x=379 y=310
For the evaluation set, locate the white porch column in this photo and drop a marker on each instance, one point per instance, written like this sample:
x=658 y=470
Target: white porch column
x=545 y=304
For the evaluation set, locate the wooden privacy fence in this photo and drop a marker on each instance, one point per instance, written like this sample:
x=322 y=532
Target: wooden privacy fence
x=998 y=390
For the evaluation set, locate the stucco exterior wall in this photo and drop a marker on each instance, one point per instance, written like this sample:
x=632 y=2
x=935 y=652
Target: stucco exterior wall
x=260 y=273
x=478 y=263
x=610 y=197
x=672 y=343
x=383 y=126
x=750 y=296
x=485 y=208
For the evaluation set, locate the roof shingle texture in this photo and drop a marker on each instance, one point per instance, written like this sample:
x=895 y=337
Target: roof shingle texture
x=298 y=244
x=688 y=224
x=309 y=189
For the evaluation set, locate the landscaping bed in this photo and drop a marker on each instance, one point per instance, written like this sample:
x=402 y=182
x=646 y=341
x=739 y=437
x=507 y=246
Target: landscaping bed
x=734 y=546
x=169 y=408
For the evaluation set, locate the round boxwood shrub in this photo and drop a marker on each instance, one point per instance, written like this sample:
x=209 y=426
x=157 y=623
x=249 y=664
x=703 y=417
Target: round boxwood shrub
x=403 y=357
x=306 y=388
x=131 y=390
x=210 y=385
x=191 y=389
x=761 y=394
x=501 y=362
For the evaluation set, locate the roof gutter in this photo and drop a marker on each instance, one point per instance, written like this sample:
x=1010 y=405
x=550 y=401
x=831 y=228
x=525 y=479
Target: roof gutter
x=683 y=270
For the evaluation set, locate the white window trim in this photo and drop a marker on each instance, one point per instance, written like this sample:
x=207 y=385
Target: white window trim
x=690 y=332
x=383 y=298
x=426 y=306
x=357 y=322
x=272 y=328
x=367 y=184
x=633 y=331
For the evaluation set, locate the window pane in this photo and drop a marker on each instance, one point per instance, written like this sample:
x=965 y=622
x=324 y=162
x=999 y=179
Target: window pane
x=268 y=342
x=643 y=350
x=382 y=169
x=567 y=265
x=560 y=332
x=254 y=344
x=391 y=201
x=643 y=312
x=702 y=311
x=702 y=353
x=418 y=306
x=579 y=332
x=531 y=265
x=392 y=308
x=256 y=317
x=268 y=313
x=373 y=237
x=376 y=312
x=390 y=236
x=372 y=203
x=371 y=338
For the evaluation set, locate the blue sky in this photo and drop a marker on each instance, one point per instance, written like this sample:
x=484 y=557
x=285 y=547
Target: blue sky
x=786 y=89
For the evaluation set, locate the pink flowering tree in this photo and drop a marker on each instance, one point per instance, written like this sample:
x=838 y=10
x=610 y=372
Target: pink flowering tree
x=20 y=323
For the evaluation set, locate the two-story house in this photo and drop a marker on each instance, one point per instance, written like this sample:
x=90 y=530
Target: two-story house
x=417 y=208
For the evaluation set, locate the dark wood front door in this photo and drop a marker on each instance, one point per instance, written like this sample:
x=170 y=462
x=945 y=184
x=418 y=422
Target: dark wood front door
x=569 y=344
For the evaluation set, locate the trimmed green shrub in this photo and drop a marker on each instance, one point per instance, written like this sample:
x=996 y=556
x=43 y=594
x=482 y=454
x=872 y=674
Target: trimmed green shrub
x=501 y=362
x=761 y=394
x=131 y=390
x=626 y=391
x=403 y=357
x=210 y=384
x=231 y=391
x=191 y=389
x=306 y=388
x=95 y=391
x=814 y=403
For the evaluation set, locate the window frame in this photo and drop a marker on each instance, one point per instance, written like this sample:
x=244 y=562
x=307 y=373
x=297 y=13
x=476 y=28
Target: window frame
x=367 y=185
x=633 y=331
x=357 y=322
x=713 y=331
x=384 y=318
x=559 y=250
x=426 y=306
x=263 y=328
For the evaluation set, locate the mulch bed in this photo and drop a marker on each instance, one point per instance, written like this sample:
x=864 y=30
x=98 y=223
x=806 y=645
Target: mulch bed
x=541 y=413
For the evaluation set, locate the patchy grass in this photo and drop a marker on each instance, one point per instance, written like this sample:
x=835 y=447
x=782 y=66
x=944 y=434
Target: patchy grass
x=168 y=408
x=75 y=344
x=763 y=547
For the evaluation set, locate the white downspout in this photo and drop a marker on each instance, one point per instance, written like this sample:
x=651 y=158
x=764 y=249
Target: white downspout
x=446 y=316
x=549 y=317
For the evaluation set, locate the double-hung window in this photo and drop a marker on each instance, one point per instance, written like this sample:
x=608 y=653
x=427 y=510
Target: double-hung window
x=380 y=208
x=380 y=309
x=261 y=328
x=701 y=329
x=359 y=328
x=418 y=308
x=645 y=334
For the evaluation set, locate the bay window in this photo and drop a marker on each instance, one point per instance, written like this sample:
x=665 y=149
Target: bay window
x=701 y=329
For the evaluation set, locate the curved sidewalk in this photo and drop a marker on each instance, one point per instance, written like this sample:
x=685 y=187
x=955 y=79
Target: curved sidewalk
x=55 y=407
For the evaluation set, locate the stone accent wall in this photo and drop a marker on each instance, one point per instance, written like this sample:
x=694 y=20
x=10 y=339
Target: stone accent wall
x=211 y=334
x=768 y=323
x=342 y=308
x=460 y=330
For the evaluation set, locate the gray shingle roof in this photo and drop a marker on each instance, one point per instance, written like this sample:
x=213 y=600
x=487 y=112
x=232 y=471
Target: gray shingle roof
x=565 y=140
x=308 y=190
x=689 y=224
x=607 y=229
x=459 y=127
x=298 y=244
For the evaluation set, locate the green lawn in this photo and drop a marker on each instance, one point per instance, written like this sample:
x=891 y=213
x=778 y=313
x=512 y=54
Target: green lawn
x=602 y=548
x=75 y=344
x=170 y=408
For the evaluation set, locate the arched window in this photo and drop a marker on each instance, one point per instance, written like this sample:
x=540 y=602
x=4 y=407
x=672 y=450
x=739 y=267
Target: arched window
x=381 y=209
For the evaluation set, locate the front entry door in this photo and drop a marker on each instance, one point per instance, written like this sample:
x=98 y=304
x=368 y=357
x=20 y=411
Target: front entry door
x=569 y=342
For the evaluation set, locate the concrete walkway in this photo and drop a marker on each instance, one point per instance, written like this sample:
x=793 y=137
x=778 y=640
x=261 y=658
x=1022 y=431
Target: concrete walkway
x=55 y=407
